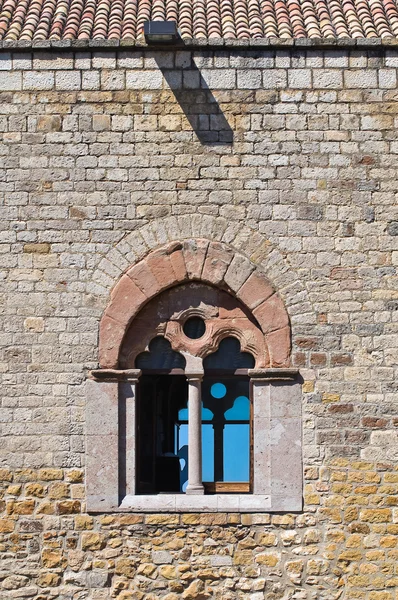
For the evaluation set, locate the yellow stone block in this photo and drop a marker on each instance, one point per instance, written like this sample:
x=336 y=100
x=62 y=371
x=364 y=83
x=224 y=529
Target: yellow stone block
x=43 y=248
x=354 y=541
x=92 y=541
x=350 y=555
x=341 y=488
x=338 y=475
x=130 y=519
x=14 y=490
x=350 y=514
x=376 y=515
x=74 y=476
x=35 y=489
x=270 y=559
x=388 y=541
x=312 y=499
x=46 y=508
x=22 y=507
x=243 y=557
x=294 y=566
x=5 y=475
x=68 y=507
x=374 y=555
x=48 y=580
x=58 y=490
x=84 y=522
x=287 y=520
x=308 y=387
x=266 y=539
x=6 y=525
x=50 y=474
x=328 y=397
x=147 y=569
x=125 y=567
x=168 y=571
x=162 y=519
x=52 y=558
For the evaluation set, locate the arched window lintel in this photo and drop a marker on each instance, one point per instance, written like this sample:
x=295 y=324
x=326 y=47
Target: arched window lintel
x=195 y=263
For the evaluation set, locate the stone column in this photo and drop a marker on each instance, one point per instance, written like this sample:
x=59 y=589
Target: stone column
x=195 y=485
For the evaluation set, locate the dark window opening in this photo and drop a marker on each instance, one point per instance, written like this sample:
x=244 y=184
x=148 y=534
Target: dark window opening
x=229 y=357
x=194 y=328
x=161 y=461
x=161 y=356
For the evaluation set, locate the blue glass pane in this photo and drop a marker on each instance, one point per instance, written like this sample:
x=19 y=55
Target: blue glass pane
x=236 y=452
x=207 y=453
x=183 y=414
x=160 y=356
x=207 y=415
x=218 y=390
x=240 y=410
x=182 y=453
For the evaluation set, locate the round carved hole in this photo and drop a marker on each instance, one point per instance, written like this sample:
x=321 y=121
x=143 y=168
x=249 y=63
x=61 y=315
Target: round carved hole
x=194 y=328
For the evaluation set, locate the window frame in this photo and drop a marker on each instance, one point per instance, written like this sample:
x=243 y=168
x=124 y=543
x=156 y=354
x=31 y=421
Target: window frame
x=111 y=453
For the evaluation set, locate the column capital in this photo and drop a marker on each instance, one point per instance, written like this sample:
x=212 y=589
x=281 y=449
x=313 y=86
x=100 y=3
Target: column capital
x=194 y=375
x=115 y=374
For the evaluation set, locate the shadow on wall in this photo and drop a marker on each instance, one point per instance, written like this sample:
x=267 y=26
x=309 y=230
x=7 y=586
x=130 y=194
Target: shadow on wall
x=198 y=104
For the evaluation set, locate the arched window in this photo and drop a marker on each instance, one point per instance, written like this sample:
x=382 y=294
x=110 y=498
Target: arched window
x=195 y=406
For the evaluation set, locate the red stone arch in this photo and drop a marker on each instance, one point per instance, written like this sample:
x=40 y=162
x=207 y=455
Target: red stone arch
x=214 y=263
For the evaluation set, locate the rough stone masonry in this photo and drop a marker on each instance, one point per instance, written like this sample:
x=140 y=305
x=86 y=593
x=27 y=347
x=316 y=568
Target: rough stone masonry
x=287 y=154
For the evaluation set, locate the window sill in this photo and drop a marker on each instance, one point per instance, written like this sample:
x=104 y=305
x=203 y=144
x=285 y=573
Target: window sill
x=182 y=503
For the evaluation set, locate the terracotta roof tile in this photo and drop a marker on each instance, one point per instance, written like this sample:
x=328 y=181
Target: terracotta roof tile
x=230 y=19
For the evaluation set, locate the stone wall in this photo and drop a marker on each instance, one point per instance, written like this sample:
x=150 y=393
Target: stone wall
x=288 y=156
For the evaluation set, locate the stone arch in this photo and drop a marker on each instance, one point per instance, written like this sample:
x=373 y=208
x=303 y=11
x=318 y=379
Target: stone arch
x=201 y=260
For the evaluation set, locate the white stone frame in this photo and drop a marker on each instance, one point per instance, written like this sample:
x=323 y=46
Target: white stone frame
x=111 y=453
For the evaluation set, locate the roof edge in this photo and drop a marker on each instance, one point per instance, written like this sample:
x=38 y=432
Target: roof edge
x=200 y=44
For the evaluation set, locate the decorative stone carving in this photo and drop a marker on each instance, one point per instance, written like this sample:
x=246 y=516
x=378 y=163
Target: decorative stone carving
x=196 y=261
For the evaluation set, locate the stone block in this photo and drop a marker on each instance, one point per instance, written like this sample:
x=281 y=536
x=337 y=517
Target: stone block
x=238 y=272
x=5 y=61
x=143 y=277
x=101 y=122
x=360 y=79
x=217 y=262
x=67 y=80
x=126 y=300
x=111 y=335
x=255 y=290
x=249 y=79
x=161 y=557
x=194 y=256
x=218 y=79
x=48 y=123
x=38 y=80
x=144 y=80
x=271 y=314
x=10 y=81
x=300 y=78
x=328 y=79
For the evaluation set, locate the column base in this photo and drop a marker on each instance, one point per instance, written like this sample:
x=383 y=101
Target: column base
x=195 y=489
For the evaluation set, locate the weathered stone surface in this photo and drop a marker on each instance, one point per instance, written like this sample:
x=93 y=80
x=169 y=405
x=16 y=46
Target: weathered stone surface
x=100 y=165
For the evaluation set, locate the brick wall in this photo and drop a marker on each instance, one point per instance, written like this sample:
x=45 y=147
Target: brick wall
x=292 y=162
